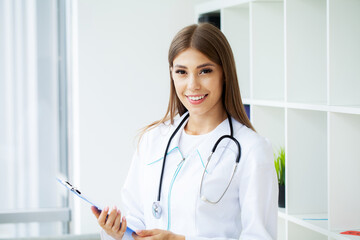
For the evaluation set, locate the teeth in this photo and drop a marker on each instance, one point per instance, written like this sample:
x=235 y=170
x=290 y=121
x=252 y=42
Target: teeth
x=196 y=98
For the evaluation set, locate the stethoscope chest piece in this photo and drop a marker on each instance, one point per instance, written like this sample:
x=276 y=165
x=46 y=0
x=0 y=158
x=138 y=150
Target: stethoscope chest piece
x=156 y=209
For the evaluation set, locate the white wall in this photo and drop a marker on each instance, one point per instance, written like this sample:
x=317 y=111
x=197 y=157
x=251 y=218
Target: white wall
x=123 y=84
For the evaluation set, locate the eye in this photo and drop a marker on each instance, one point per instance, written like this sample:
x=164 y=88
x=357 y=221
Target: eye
x=206 y=70
x=179 y=71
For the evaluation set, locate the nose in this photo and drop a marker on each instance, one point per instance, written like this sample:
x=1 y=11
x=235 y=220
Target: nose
x=193 y=82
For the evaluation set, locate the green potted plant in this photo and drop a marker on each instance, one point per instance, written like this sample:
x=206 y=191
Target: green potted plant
x=279 y=161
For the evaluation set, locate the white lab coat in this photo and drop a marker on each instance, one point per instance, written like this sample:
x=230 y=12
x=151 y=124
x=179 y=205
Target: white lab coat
x=248 y=209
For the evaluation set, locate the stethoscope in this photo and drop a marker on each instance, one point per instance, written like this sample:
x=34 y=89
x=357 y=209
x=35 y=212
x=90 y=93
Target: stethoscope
x=156 y=208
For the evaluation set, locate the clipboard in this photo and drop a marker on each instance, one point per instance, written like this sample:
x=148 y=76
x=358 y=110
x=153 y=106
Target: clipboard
x=78 y=193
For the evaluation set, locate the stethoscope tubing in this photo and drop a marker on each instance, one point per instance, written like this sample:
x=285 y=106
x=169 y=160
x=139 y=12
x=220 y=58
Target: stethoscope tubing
x=165 y=154
x=234 y=140
x=156 y=205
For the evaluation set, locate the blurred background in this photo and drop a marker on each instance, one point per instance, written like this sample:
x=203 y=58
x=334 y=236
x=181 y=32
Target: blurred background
x=78 y=79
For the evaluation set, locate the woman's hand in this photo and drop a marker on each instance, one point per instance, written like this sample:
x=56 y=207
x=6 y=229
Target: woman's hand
x=111 y=223
x=156 y=234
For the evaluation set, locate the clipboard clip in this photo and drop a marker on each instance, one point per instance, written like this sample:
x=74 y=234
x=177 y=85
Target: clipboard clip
x=74 y=189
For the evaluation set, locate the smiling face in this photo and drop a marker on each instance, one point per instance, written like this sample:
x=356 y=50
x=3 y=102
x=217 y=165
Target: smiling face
x=198 y=83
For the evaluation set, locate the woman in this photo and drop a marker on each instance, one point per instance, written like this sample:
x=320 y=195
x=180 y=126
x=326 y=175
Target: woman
x=199 y=199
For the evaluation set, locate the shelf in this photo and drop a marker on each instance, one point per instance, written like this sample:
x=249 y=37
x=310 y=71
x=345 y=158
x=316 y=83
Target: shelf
x=344 y=167
x=325 y=108
x=302 y=106
x=219 y=4
x=345 y=109
x=299 y=232
x=281 y=229
x=302 y=85
x=306 y=51
x=319 y=225
x=239 y=41
x=306 y=162
x=267 y=57
x=282 y=213
x=344 y=52
x=311 y=107
x=316 y=222
x=267 y=103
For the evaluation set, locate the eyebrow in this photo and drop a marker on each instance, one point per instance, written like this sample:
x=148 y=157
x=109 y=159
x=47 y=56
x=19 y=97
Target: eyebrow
x=200 y=66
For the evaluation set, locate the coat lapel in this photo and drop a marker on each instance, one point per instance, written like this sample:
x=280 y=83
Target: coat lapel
x=175 y=141
x=173 y=149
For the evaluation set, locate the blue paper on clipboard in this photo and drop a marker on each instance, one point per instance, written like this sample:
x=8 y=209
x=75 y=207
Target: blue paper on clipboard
x=77 y=192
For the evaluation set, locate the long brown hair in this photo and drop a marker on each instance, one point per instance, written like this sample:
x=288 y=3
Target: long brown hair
x=210 y=41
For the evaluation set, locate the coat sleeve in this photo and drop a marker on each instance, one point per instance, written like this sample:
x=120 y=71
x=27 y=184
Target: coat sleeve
x=132 y=195
x=258 y=196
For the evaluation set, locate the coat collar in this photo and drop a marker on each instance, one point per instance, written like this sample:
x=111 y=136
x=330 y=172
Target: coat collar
x=204 y=149
x=175 y=141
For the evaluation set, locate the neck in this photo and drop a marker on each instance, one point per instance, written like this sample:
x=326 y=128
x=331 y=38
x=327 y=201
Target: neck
x=199 y=124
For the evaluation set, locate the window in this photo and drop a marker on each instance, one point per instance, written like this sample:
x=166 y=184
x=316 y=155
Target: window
x=33 y=118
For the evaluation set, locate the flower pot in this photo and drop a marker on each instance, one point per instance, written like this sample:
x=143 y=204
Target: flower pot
x=281 y=196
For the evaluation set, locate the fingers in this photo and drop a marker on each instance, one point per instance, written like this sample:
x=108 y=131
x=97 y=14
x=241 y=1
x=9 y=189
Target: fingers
x=111 y=221
x=137 y=237
x=102 y=217
x=95 y=211
x=123 y=226
x=111 y=218
x=155 y=234
x=116 y=226
x=146 y=233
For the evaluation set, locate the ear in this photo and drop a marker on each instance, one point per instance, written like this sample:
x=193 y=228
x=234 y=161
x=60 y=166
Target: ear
x=171 y=72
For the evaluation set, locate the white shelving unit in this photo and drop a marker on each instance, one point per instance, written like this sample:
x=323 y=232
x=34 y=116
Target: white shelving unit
x=298 y=63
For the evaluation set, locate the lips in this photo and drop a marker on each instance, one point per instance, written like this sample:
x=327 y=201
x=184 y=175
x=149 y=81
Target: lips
x=196 y=99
